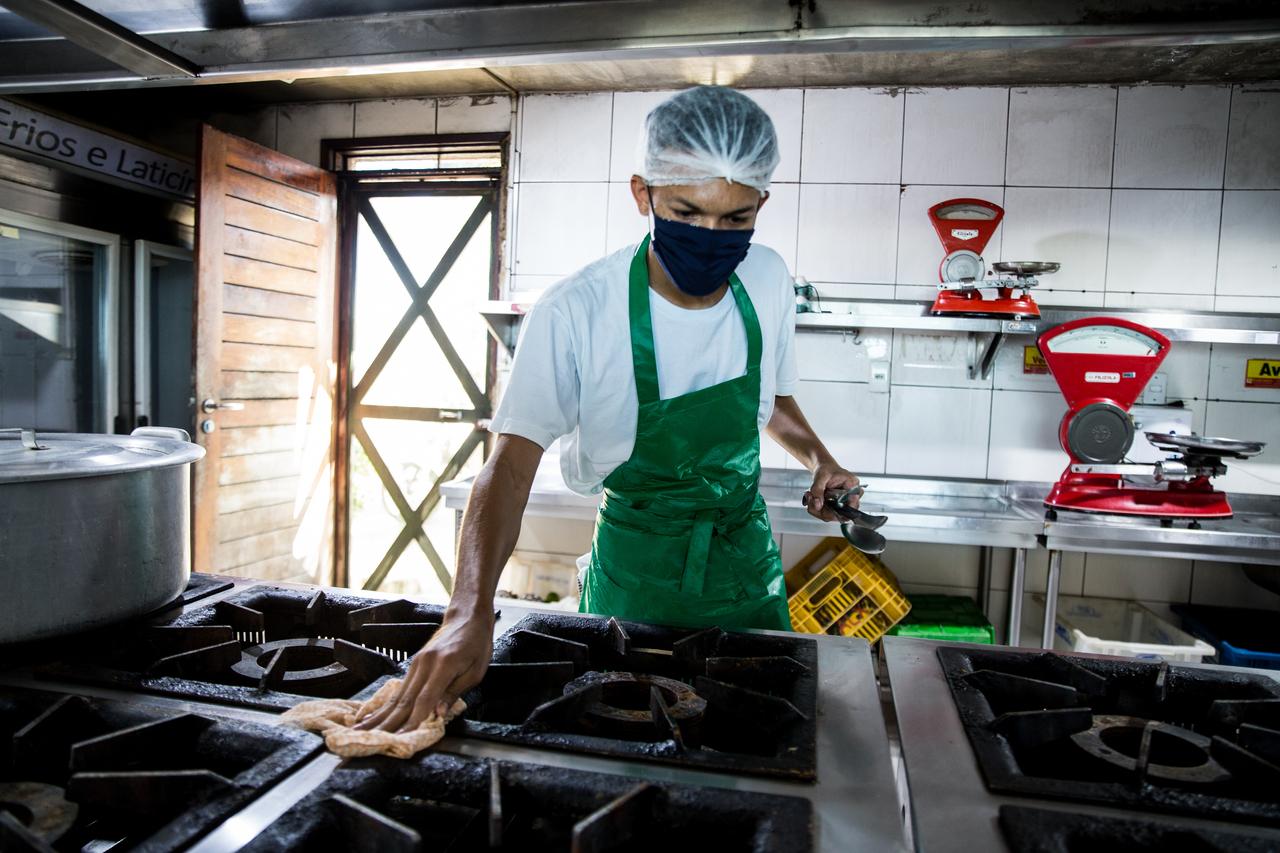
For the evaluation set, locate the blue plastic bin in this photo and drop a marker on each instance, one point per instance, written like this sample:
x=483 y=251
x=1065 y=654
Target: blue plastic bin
x=1242 y=637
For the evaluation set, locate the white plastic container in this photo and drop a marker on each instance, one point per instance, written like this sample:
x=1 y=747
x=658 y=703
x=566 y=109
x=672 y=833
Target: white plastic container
x=1109 y=626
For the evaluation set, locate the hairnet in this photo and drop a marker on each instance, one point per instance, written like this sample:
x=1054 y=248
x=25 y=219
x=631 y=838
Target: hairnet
x=705 y=133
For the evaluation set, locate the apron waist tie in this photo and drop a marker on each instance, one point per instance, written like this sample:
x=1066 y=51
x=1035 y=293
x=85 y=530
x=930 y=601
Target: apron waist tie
x=695 y=561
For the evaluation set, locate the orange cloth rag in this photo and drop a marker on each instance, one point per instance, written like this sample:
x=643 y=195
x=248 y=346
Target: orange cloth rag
x=335 y=718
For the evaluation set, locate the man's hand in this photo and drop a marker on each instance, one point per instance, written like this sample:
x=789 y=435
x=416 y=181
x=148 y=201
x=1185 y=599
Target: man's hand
x=829 y=477
x=451 y=663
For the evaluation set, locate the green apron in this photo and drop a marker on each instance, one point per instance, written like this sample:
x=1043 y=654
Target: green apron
x=682 y=535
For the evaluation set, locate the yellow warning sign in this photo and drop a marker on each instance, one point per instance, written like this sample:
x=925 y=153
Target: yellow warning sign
x=1033 y=361
x=1262 y=373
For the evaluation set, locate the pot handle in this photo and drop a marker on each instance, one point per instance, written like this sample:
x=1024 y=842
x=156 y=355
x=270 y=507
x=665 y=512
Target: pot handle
x=28 y=438
x=172 y=433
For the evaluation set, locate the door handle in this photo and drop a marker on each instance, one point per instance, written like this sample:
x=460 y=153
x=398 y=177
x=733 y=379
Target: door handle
x=212 y=405
x=450 y=415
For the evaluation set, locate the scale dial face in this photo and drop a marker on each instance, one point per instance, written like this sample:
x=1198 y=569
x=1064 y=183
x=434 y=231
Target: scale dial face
x=1104 y=339
x=966 y=211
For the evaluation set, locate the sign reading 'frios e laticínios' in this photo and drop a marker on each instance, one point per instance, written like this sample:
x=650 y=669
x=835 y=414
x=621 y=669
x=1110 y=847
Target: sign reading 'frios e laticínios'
x=57 y=139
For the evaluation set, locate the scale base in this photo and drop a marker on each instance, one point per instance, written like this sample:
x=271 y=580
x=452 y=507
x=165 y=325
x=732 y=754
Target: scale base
x=970 y=302
x=1112 y=495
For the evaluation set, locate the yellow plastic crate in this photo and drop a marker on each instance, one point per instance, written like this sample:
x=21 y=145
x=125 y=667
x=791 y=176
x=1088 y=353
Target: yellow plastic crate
x=852 y=595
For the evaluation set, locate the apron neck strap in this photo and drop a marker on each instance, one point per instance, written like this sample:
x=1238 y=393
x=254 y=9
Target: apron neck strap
x=642 y=352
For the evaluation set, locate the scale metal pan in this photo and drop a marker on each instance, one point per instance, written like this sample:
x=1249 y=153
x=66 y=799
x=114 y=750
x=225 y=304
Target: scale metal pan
x=1026 y=267
x=1205 y=445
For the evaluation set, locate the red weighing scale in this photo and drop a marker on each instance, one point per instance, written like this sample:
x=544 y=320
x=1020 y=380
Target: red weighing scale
x=1101 y=364
x=965 y=226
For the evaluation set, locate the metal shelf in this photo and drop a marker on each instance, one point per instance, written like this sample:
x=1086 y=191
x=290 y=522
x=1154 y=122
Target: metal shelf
x=1195 y=327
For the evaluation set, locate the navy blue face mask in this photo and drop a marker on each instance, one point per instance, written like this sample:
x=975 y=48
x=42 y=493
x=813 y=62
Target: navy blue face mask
x=698 y=260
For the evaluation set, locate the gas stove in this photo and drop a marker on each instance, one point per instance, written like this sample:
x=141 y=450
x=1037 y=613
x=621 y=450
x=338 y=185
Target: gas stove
x=1007 y=749
x=89 y=773
x=706 y=699
x=583 y=729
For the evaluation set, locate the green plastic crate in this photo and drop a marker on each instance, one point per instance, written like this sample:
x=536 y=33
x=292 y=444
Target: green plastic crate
x=953 y=618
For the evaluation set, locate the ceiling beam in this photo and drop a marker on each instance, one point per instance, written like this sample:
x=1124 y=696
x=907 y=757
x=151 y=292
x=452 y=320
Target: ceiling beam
x=104 y=37
x=593 y=30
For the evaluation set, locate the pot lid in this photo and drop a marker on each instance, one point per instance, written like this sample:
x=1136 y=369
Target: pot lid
x=27 y=456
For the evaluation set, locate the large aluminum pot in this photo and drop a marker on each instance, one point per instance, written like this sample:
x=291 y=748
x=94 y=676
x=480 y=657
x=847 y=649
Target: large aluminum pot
x=93 y=528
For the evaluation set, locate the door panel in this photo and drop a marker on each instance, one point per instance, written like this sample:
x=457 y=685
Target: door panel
x=264 y=343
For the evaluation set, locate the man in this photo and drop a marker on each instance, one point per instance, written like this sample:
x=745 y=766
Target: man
x=658 y=366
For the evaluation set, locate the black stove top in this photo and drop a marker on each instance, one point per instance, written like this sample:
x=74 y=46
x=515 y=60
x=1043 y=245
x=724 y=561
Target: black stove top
x=1033 y=830
x=88 y=774
x=265 y=647
x=709 y=699
x=1133 y=734
x=453 y=805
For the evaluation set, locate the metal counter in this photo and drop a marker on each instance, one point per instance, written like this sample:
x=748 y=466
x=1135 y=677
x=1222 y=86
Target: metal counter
x=984 y=513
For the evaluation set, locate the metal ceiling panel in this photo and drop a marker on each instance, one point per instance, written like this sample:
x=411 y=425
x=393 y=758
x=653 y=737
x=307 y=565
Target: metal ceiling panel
x=585 y=34
x=103 y=37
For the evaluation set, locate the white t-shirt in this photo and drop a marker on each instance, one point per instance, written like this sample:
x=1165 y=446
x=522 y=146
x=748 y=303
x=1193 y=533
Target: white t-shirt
x=573 y=377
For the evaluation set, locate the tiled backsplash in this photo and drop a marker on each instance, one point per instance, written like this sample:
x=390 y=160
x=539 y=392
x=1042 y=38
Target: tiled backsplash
x=1150 y=197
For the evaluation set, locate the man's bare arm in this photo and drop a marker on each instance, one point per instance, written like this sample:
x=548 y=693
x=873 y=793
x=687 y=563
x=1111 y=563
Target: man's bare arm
x=455 y=659
x=789 y=427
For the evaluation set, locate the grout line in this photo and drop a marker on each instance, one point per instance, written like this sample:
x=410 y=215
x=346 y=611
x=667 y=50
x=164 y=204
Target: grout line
x=902 y=161
x=1111 y=199
x=1222 y=199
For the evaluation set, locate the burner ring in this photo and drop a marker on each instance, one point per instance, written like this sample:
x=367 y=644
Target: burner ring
x=42 y=809
x=1175 y=754
x=253 y=661
x=622 y=692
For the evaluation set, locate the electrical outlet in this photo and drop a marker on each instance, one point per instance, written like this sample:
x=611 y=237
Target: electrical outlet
x=879 y=382
x=1155 y=394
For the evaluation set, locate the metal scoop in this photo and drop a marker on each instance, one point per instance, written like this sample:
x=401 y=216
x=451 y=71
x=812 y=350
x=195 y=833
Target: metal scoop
x=859 y=527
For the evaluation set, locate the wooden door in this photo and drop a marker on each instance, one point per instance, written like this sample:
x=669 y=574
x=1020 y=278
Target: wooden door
x=265 y=373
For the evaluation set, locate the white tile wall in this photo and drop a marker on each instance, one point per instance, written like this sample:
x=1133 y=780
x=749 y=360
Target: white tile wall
x=395 y=117
x=475 y=114
x=851 y=419
x=1064 y=225
x=919 y=249
x=938 y=432
x=1247 y=304
x=565 y=137
x=1254 y=422
x=1061 y=137
x=841 y=356
x=846 y=232
x=786 y=108
x=625 y=224
x=300 y=127
x=543 y=245
x=955 y=136
x=776 y=222
x=1253 y=142
x=1024 y=436
x=1171 y=136
x=1227 y=369
x=921 y=358
x=1163 y=241
x=1249 y=260
x=852 y=136
x=629 y=111
x=1143 y=578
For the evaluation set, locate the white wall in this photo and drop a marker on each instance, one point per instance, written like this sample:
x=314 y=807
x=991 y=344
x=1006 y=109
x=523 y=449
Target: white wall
x=1151 y=197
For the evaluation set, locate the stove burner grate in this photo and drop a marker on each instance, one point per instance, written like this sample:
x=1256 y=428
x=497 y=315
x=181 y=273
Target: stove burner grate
x=446 y=802
x=706 y=698
x=266 y=648
x=81 y=770
x=34 y=810
x=1124 y=733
